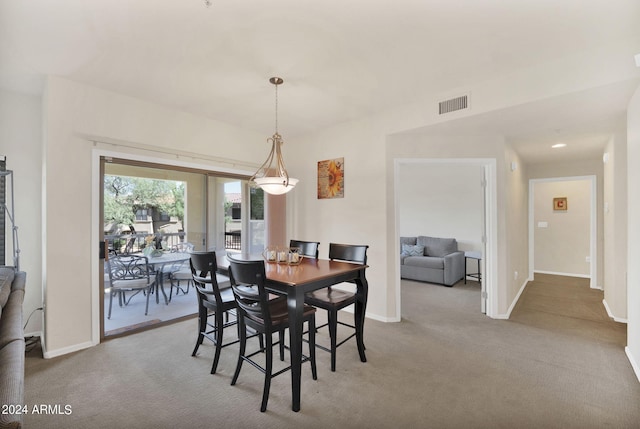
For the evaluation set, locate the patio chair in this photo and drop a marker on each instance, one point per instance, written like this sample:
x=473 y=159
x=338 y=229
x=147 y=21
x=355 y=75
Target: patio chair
x=181 y=272
x=129 y=273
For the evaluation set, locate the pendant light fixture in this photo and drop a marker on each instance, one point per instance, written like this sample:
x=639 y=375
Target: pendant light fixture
x=274 y=179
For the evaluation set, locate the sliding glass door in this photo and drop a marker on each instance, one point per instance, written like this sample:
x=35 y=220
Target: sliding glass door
x=155 y=205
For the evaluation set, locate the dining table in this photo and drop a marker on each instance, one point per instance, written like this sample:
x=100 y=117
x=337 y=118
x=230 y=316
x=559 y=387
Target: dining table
x=295 y=281
x=158 y=264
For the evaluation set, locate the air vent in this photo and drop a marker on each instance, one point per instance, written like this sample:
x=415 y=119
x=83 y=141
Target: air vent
x=452 y=105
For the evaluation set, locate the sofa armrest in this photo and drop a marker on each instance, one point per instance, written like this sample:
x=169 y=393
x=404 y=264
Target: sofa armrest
x=453 y=267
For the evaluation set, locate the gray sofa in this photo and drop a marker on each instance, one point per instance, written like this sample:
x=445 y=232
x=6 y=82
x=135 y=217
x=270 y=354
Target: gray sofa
x=431 y=259
x=11 y=345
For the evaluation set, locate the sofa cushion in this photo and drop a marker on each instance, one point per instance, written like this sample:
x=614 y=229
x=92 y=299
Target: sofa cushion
x=438 y=247
x=425 y=262
x=409 y=250
x=408 y=240
x=6 y=278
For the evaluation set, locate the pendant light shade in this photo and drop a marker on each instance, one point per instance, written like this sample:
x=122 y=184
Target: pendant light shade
x=272 y=176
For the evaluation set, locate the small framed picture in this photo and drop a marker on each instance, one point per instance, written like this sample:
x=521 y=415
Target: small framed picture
x=560 y=203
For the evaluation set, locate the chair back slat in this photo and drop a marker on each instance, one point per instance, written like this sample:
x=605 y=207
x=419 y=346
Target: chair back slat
x=348 y=252
x=247 y=282
x=203 y=270
x=307 y=248
x=128 y=267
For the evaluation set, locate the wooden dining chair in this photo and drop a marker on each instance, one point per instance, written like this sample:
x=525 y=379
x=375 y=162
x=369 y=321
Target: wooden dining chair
x=334 y=300
x=265 y=316
x=307 y=248
x=213 y=301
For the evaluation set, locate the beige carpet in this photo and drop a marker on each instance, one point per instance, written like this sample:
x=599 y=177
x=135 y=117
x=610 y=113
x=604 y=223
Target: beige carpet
x=558 y=363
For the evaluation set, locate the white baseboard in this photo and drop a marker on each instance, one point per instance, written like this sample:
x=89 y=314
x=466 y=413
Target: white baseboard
x=582 y=276
x=507 y=315
x=610 y=314
x=350 y=309
x=33 y=334
x=65 y=350
x=634 y=364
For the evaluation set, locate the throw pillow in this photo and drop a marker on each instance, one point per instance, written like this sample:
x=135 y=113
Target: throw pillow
x=409 y=250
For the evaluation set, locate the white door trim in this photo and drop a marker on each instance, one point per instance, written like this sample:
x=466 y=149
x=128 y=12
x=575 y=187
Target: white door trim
x=490 y=276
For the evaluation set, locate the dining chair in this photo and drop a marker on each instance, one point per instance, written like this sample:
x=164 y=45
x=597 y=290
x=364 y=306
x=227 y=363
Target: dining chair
x=266 y=317
x=307 y=248
x=334 y=300
x=213 y=301
x=129 y=273
x=181 y=272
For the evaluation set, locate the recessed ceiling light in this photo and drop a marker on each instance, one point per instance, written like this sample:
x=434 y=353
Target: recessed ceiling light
x=558 y=145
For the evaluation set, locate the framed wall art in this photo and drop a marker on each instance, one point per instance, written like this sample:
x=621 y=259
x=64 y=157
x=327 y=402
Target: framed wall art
x=560 y=204
x=331 y=178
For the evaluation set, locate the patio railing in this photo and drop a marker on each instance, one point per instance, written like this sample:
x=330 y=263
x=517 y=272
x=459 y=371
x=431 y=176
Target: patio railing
x=132 y=243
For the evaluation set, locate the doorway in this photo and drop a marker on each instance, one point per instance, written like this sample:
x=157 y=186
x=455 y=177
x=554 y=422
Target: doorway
x=469 y=217
x=563 y=227
x=167 y=209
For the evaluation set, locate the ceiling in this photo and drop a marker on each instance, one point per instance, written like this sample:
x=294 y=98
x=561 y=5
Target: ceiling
x=340 y=59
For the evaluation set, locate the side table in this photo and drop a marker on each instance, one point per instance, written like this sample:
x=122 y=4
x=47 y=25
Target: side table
x=478 y=257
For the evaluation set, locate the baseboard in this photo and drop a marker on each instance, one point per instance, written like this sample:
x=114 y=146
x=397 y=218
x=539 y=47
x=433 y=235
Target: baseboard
x=507 y=315
x=582 y=276
x=65 y=350
x=350 y=309
x=634 y=364
x=610 y=314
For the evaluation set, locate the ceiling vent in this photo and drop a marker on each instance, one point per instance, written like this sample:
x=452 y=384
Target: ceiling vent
x=458 y=103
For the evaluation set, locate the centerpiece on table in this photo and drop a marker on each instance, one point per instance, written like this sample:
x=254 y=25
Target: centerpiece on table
x=150 y=247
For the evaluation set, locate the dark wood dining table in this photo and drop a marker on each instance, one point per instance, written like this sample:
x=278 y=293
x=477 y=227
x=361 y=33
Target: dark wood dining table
x=295 y=281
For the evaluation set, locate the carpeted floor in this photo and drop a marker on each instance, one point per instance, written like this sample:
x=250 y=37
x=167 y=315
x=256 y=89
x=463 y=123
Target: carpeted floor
x=558 y=363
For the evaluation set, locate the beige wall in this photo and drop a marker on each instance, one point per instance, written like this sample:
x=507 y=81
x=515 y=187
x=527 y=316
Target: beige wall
x=579 y=169
x=21 y=143
x=615 y=227
x=73 y=113
x=633 y=285
x=562 y=245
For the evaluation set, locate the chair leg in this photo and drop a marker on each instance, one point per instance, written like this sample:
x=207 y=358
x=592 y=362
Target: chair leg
x=241 y=352
x=281 y=341
x=202 y=326
x=312 y=347
x=333 y=332
x=219 y=334
x=267 y=374
x=110 y=303
x=146 y=310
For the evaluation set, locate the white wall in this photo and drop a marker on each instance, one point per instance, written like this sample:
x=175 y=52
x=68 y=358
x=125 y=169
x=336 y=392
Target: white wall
x=562 y=246
x=442 y=200
x=614 y=209
x=73 y=113
x=20 y=142
x=633 y=281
